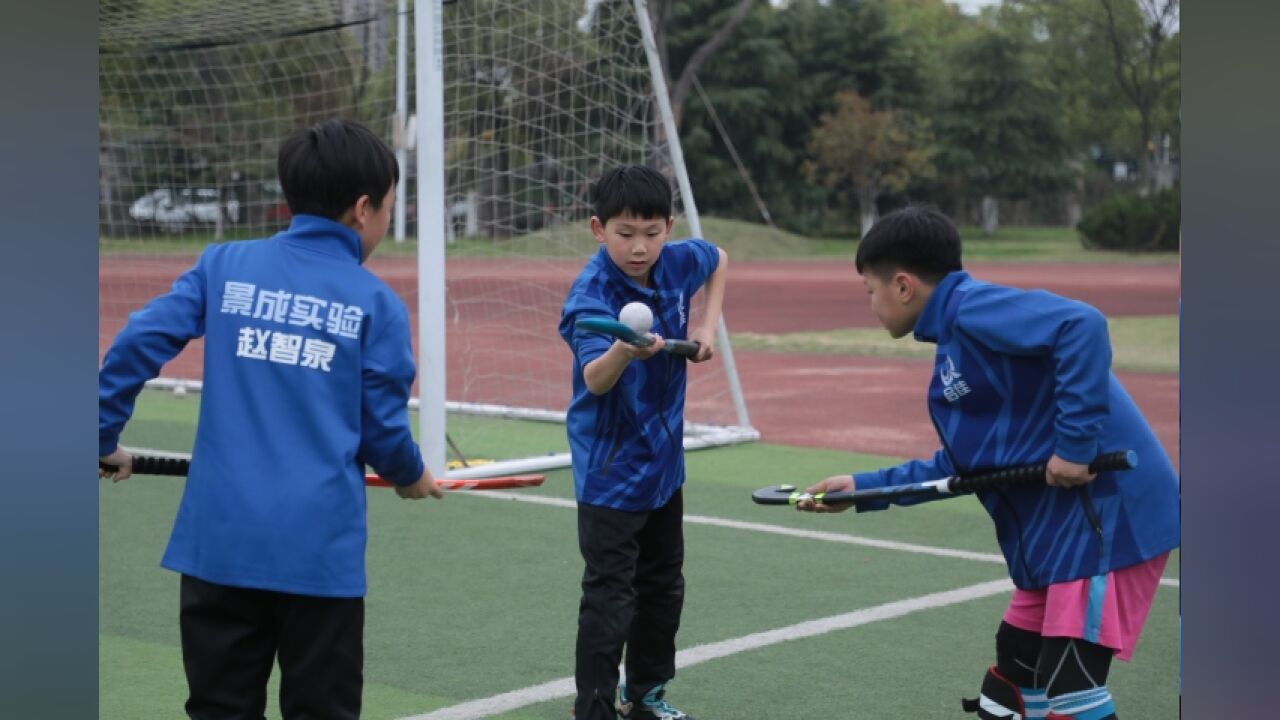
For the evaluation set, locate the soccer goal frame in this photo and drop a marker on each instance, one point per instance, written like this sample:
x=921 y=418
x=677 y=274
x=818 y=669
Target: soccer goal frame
x=433 y=406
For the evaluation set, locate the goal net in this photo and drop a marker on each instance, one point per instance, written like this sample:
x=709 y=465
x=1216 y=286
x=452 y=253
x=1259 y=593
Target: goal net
x=540 y=96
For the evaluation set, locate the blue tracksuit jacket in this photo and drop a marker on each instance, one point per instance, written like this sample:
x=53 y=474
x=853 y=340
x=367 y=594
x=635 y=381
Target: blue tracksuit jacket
x=307 y=373
x=628 y=444
x=1020 y=376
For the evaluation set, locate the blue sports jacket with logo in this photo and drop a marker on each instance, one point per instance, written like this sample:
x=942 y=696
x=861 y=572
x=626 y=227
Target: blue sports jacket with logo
x=627 y=444
x=307 y=373
x=1020 y=376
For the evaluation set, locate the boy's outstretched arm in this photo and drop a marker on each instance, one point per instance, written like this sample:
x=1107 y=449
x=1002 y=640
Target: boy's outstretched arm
x=602 y=374
x=152 y=337
x=386 y=442
x=705 y=334
x=912 y=471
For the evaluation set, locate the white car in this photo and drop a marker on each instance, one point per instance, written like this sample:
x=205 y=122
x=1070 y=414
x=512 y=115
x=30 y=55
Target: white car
x=190 y=206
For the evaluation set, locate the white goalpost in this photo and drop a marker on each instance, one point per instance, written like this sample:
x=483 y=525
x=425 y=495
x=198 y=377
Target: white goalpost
x=501 y=112
x=432 y=376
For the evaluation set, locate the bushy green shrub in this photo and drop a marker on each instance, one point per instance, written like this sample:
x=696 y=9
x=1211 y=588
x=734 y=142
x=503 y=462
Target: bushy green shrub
x=1133 y=222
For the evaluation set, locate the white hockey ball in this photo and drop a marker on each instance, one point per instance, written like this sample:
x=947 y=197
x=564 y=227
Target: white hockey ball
x=636 y=316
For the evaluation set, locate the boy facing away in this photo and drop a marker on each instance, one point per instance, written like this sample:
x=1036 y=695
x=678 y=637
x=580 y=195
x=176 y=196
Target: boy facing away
x=1024 y=377
x=307 y=375
x=626 y=435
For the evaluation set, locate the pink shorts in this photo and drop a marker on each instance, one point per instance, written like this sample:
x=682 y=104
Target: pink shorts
x=1108 y=610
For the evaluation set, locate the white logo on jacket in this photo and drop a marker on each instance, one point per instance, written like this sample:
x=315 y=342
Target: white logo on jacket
x=684 y=320
x=953 y=385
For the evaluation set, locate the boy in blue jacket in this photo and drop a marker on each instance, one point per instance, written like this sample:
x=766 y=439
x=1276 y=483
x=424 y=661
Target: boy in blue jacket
x=1025 y=377
x=626 y=435
x=307 y=372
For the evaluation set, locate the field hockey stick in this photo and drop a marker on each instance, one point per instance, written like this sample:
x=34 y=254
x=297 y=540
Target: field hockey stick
x=178 y=467
x=954 y=485
x=622 y=331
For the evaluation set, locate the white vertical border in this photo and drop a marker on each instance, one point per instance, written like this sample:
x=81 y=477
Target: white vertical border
x=402 y=111
x=429 y=90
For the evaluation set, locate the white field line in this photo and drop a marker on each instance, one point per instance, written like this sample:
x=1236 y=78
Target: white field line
x=564 y=687
x=822 y=535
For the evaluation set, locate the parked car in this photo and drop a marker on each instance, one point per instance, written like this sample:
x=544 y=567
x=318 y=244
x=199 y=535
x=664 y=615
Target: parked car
x=174 y=210
x=275 y=211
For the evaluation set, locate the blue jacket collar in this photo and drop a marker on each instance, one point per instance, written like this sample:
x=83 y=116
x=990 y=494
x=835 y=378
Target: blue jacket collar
x=322 y=235
x=615 y=273
x=929 y=323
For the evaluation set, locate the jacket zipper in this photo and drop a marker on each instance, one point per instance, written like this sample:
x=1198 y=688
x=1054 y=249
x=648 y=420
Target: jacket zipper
x=1092 y=514
x=1022 y=551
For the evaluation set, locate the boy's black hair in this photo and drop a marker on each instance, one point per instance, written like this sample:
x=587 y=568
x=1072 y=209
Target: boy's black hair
x=325 y=168
x=918 y=240
x=637 y=189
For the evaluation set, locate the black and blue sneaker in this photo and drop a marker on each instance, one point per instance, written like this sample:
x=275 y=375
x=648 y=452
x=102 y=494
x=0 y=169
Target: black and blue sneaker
x=649 y=707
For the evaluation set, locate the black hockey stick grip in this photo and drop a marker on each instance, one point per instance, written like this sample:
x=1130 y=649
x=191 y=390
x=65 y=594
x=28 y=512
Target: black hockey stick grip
x=683 y=348
x=1029 y=474
x=151 y=465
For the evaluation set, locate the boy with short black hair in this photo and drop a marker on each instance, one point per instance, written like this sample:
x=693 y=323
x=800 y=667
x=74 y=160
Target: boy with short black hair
x=307 y=373
x=1024 y=377
x=626 y=434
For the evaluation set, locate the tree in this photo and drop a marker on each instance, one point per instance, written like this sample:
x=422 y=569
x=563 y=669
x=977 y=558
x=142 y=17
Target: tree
x=716 y=24
x=1145 y=61
x=927 y=31
x=1000 y=127
x=866 y=151
x=1131 y=47
x=852 y=45
x=770 y=86
x=752 y=84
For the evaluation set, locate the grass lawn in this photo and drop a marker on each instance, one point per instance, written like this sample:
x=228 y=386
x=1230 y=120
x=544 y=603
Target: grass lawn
x=474 y=596
x=1137 y=343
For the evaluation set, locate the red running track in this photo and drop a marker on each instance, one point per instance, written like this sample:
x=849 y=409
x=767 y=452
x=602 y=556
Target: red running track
x=781 y=297
x=871 y=405
x=878 y=405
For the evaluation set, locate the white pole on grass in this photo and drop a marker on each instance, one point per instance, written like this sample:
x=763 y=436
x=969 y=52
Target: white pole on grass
x=402 y=110
x=686 y=193
x=429 y=89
